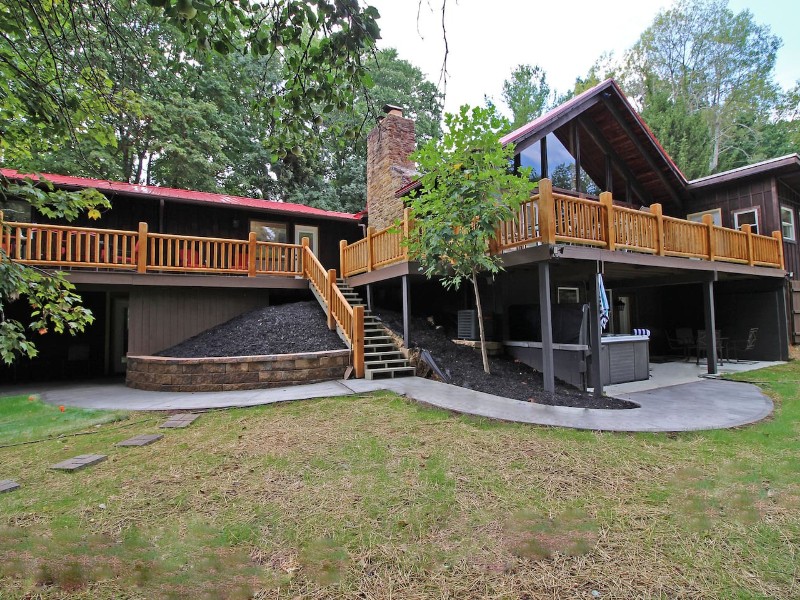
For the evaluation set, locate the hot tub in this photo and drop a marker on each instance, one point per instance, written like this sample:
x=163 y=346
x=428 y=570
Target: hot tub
x=623 y=358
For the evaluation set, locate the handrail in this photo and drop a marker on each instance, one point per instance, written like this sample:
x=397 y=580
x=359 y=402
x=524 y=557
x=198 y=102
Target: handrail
x=378 y=249
x=578 y=220
x=65 y=246
x=349 y=318
x=523 y=229
x=550 y=217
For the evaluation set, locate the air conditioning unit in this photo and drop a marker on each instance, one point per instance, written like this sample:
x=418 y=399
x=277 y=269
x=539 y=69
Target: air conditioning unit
x=468 y=325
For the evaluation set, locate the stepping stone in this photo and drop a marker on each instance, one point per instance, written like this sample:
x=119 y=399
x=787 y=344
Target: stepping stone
x=141 y=440
x=79 y=462
x=7 y=485
x=176 y=421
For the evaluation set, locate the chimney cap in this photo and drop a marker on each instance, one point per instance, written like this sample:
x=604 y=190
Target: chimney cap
x=391 y=109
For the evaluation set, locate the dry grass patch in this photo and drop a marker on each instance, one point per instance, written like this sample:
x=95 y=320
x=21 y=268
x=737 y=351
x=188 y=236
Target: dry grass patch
x=373 y=497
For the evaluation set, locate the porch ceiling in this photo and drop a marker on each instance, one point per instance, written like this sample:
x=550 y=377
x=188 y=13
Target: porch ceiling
x=631 y=268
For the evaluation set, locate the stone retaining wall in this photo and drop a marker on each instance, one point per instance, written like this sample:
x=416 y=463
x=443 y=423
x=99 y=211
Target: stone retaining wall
x=166 y=374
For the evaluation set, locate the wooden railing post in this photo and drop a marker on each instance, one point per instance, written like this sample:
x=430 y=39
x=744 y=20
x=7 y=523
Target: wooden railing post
x=658 y=211
x=252 y=248
x=370 y=233
x=749 y=232
x=609 y=225
x=778 y=235
x=303 y=257
x=708 y=220
x=406 y=230
x=329 y=299
x=141 y=249
x=547 y=212
x=342 y=248
x=357 y=339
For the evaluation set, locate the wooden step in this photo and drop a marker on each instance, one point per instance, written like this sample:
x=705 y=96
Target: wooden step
x=389 y=372
x=389 y=355
x=391 y=362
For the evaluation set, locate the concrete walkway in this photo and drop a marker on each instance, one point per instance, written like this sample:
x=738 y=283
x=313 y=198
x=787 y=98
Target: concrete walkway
x=704 y=404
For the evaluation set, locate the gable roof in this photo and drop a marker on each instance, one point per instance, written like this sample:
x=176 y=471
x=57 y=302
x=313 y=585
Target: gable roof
x=606 y=124
x=179 y=195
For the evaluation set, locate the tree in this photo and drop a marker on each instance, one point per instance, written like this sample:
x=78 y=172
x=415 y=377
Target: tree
x=54 y=86
x=468 y=189
x=711 y=61
x=526 y=94
x=336 y=176
x=51 y=297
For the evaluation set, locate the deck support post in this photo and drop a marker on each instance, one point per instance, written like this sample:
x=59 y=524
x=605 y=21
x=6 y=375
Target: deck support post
x=609 y=227
x=711 y=326
x=370 y=254
x=357 y=341
x=783 y=319
x=595 y=335
x=708 y=220
x=329 y=299
x=342 y=269
x=406 y=310
x=140 y=249
x=546 y=319
x=547 y=214
x=252 y=249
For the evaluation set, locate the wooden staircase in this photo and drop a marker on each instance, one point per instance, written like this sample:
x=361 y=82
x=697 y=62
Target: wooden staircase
x=382 y=357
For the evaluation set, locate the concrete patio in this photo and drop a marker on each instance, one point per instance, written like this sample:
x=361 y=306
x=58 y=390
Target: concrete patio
x=676 y=398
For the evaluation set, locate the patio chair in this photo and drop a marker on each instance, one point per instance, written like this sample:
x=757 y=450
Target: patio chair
x=738 y=346
x=683 y=341
x=702 y=345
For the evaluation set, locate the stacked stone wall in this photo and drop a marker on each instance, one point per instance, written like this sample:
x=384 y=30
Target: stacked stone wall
x=218 y=374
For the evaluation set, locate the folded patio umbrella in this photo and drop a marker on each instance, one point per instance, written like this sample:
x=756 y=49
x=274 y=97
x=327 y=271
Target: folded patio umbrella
x=602 y=301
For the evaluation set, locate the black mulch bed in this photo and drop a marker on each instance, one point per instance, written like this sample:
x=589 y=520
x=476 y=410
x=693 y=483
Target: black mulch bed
x=508 y=378
x=281 y=329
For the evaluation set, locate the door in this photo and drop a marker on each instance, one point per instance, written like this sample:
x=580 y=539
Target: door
x=311 y=233
x=119 y=335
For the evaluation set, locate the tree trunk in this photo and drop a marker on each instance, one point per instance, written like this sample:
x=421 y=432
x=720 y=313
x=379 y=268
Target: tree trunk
x=484 y=355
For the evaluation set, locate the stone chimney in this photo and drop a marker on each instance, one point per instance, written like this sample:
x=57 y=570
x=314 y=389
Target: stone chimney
x=388 y=166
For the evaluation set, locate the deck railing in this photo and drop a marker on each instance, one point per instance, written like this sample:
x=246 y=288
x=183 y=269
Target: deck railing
x=550 y=217
x=378 y=249
x=67 y=247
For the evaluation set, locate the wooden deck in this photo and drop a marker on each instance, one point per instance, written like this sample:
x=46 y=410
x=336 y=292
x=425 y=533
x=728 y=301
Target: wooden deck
x=140 y=252
x=550 y=218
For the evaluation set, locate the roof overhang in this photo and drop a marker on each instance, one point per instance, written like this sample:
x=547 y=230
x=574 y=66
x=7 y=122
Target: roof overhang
x=786 y=168
x=128 y=190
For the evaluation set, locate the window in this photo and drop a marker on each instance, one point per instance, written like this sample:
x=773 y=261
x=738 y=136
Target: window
x=748 y=216
x=697 y=217
x=269 y=231
x=568 y=295
x=787 y=223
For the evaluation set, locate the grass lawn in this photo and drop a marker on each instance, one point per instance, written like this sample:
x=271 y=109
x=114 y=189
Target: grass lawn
x=377 y=497
x=26 y=418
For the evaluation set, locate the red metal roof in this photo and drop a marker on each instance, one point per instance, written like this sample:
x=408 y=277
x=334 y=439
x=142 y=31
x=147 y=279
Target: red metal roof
x=151 y=191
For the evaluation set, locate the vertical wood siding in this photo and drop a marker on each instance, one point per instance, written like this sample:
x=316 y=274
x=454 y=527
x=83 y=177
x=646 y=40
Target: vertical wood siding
x=160 y=318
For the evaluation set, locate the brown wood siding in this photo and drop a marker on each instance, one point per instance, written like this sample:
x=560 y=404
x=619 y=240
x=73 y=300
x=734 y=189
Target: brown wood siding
x=791 y=250
x=732 y=198
x=162 y=317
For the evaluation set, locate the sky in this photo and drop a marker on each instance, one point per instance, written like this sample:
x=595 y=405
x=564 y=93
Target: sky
x=487 y=39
